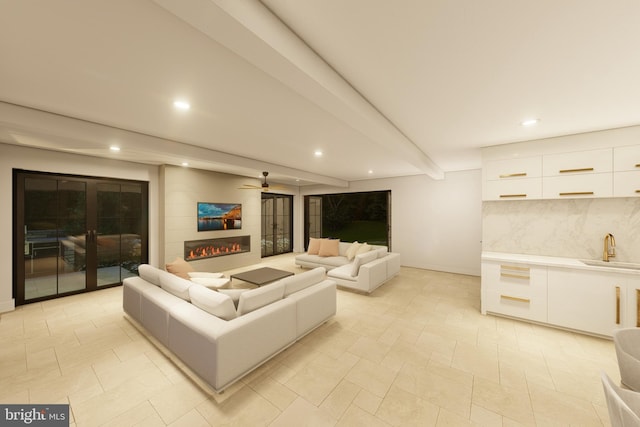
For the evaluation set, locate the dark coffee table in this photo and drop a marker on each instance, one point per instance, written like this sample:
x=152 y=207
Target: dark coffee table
x=261 y=276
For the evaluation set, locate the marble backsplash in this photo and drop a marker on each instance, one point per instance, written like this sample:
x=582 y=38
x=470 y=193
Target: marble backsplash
x=572 y=228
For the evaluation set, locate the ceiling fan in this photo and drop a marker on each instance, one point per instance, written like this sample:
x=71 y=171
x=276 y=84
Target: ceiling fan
x=264 y=186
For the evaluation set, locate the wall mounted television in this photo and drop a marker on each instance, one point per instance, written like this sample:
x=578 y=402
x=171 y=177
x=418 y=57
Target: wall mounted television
x=219 y=216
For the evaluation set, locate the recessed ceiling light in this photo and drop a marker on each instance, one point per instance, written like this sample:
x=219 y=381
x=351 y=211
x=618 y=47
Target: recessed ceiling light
x=317 y=153
x=370 y=172
x=530 y=122
x=114 y=148
x=181 y=105
x=185 y=164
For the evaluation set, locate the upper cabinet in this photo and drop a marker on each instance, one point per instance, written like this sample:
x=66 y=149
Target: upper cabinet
x=578 y=163
x=578 y=174
x=513 y=179
x=626 y=171
x=607 y=172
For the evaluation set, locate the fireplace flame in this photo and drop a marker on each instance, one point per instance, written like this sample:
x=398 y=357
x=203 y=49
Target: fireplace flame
x=207 y=251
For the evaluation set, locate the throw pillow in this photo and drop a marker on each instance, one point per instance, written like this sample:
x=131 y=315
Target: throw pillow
x=175 y=285
x=213 y=302
x=314 y=246
x=193 y=274
x=360 y=260
x=329 y=247
x=257 y=298
x=179 y=267
x=363 y=248
x=351 y=252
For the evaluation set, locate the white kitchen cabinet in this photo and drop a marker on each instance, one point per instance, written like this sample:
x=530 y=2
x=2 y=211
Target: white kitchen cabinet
x=589 y=301
x=626 y=184
x=626 y=158
x=632 y=307
x=626 y=171
x=578 y=163
x=515 y=289
x=515 y=168
x=574 y=186
x=512 y=179
x=521 y=189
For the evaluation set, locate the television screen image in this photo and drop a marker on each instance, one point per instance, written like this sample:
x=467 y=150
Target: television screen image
x=219 y=216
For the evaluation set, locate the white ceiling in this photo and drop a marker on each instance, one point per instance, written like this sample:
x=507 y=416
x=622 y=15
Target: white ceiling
x=396 y=87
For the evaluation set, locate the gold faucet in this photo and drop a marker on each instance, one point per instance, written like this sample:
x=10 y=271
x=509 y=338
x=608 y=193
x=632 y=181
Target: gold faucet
x=609 y=247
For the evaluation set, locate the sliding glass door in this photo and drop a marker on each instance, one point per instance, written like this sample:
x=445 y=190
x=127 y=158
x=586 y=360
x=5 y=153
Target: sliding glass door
x=75 y=234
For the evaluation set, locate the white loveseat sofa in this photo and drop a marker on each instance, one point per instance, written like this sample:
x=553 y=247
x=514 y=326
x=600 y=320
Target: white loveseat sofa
x=363 y=272
x=217 y=341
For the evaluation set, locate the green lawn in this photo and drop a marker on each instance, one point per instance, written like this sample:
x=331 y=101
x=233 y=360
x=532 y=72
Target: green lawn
x=372 y=232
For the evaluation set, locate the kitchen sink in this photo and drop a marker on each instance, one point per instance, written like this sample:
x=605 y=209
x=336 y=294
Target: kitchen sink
x=610 y=264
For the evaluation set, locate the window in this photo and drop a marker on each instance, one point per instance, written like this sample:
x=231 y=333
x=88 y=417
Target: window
x=365 y=217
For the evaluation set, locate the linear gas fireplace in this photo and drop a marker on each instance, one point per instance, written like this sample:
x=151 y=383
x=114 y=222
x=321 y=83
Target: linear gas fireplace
x=209 y=248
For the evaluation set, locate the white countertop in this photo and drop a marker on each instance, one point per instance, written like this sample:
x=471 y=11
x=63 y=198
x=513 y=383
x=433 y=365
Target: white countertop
x=550 y=261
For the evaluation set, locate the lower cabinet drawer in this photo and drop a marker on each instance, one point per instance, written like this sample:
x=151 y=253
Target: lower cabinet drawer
x=531 y=307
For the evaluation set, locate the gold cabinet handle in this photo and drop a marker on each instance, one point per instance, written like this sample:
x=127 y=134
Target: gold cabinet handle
x=638 y=165
x=514 y=267
x=513 y=175
x=577 y=193
x=510 y=298
x=637 y=191
x=638 y=308
x=505 y=196
x=576 y=170
x=617 y=305
x=514 y=276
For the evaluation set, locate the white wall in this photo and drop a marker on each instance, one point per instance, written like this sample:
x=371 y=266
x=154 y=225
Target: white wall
x=436 y=225
x=182 y=189
x=15 y=157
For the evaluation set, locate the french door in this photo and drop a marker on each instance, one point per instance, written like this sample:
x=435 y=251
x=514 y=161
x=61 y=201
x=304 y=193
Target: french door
x=277 y=224
x=76 y=234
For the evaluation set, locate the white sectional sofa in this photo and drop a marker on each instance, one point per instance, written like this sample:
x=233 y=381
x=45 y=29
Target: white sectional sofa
x=365 y=272
x=217 y=341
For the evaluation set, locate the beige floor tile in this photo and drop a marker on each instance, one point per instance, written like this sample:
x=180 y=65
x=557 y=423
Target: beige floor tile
x=503 y=400
x=479 y=361
x=318 y=378
x=441 y=385
x=414 y=347
x=483 y=417
x=81 y=384
x=141 y=415
x=370 y=349
x=401 y=408
x=244 y=408
x=175 y=401
x=302 y=413
x=193 y=418
x=367 y=401
x=274 y=391
x=562 y=408
x=374 y=378
x=356 y=417
x=340 y=398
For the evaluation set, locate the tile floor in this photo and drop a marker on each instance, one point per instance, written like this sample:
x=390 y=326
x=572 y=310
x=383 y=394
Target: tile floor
x=415 y=352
